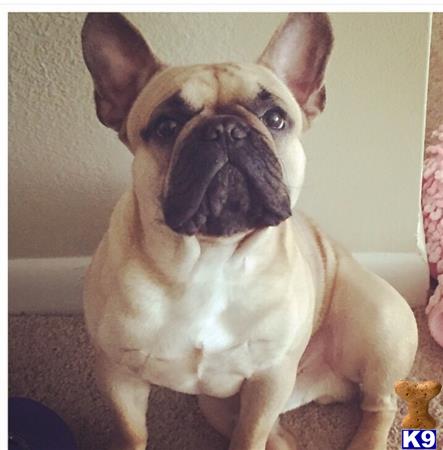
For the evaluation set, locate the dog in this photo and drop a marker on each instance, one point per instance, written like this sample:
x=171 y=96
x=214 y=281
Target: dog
x=208 y=281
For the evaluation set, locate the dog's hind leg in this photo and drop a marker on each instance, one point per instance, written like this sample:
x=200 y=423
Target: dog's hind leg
x=379 y=405
x=373 y=431
x=374 y=336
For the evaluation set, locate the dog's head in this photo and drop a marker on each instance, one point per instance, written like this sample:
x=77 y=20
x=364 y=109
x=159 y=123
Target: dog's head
x=216 y=147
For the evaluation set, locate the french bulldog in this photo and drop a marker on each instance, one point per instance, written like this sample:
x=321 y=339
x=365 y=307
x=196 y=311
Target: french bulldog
x=208 y=281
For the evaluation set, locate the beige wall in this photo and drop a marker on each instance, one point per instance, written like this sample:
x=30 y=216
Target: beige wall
x=66 y=170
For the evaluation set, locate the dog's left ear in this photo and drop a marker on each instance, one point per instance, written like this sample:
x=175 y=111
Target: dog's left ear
x=298 y=54
x=120 y=62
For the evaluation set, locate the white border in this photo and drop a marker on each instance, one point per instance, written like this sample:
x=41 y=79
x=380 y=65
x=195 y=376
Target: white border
x=226 y=6
x=4 y=224
x=144 y=6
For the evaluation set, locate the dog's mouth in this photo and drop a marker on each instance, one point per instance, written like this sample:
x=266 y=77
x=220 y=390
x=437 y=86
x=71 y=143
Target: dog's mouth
x=223 y=186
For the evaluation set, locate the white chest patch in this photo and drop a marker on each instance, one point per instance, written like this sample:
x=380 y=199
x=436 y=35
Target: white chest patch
x=208 y=300
x=210 y=335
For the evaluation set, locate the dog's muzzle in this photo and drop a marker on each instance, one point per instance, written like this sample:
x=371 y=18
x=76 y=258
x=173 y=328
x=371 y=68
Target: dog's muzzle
x=225 y=180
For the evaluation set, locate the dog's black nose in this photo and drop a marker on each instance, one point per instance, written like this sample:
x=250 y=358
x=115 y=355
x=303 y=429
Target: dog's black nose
x=228 y=127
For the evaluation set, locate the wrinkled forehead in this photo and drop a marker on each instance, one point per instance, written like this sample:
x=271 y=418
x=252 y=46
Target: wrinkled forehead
x=222 y=84
x=211 y=86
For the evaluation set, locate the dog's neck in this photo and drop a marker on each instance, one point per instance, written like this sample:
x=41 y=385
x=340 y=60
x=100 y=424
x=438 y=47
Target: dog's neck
x=178 y=256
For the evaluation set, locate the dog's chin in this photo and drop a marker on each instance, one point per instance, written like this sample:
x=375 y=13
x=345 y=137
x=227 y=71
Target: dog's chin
x=230 y=206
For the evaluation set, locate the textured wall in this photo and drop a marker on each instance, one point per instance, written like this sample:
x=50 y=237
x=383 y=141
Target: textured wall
x=67 y=171
x=435 y=87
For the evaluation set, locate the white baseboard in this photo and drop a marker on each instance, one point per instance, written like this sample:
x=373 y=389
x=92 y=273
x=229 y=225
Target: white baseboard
x=46 y=285
x=54 y=285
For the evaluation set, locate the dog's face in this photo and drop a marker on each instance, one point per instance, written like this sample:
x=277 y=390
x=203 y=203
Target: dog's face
x=224 y=146
x=216 y=147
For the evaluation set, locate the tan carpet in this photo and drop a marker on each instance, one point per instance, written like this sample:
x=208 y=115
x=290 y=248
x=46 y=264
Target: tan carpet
x=51 y=359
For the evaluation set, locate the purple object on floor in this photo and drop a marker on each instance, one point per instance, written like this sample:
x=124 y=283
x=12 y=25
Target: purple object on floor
x=33 y=426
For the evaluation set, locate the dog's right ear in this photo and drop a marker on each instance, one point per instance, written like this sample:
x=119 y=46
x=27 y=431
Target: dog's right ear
x=120 y=62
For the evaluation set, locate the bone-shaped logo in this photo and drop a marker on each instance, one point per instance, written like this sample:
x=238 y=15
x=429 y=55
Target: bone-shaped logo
x=417 y=397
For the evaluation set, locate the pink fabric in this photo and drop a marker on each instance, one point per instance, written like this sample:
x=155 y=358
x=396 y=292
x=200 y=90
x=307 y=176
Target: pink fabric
x=434 y=310
x=432 y=205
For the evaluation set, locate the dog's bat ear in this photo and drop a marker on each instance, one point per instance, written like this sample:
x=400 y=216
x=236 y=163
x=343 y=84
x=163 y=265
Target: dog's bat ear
x=120 y=63
x=298 y=53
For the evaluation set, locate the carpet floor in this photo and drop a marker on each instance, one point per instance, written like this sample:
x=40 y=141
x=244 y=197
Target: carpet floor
x=50 y=360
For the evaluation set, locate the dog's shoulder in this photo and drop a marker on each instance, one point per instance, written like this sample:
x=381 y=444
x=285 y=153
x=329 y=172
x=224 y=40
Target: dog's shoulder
x=123 y=232
x=321 y=254
x=314 y=243
x=118 y=249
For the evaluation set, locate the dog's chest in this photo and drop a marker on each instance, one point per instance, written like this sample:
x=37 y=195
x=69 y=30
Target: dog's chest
x=212 y=336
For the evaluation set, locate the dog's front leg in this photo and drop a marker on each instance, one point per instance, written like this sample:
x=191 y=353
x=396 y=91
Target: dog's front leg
x=128 y=399
x=262 y=399
x=373 y=431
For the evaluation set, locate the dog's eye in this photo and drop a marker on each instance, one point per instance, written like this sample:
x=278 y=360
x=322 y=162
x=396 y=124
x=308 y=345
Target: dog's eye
x=166 y=127
x=274 y=118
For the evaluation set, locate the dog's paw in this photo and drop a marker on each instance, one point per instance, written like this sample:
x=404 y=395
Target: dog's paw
x=281 y=439
x=125 y=447
x=368 y=443
x=118 y=445
x=360 y=446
